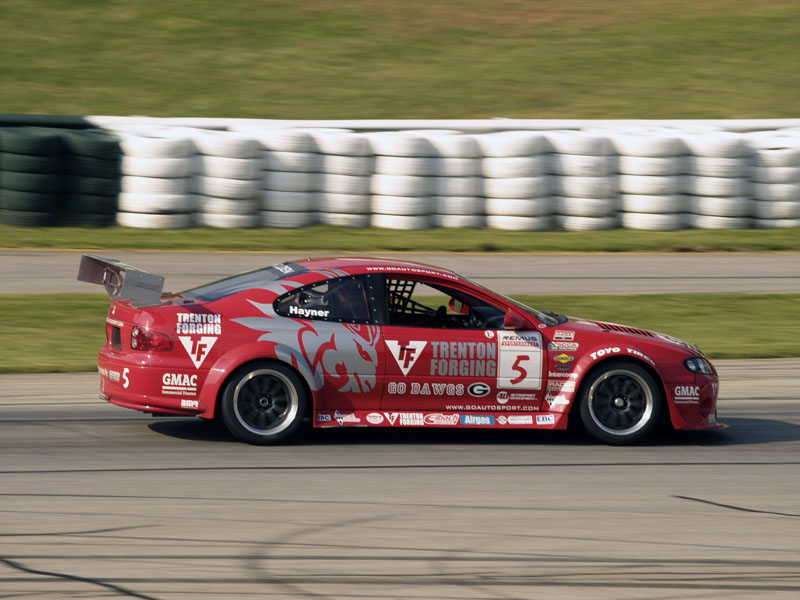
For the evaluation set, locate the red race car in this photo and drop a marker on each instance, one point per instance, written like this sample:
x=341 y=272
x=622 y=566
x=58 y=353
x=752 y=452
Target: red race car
x=370 y=342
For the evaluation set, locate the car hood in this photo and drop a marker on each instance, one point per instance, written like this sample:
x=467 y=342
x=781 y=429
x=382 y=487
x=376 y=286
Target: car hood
x=627 y=332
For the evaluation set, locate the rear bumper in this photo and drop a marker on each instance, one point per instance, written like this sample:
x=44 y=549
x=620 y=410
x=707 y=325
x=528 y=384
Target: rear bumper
x=152 y=389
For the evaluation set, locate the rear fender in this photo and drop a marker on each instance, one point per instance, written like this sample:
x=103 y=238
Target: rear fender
x=228 y=363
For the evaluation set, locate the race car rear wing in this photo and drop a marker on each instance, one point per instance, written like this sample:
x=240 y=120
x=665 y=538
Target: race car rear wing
x=121 y=280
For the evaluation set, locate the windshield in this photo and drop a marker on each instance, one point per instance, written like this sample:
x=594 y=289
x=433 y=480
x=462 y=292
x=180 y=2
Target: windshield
x=550 y=318
x=244 y=281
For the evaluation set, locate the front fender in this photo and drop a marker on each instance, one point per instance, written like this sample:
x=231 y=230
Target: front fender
x=228 y=363
x=600 y=354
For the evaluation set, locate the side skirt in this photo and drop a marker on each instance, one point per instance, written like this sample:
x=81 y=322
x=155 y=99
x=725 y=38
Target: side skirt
x=490 y=420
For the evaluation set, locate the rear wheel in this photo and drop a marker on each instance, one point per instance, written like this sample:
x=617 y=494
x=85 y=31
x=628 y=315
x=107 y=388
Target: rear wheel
x=620 y=403
x=264 y=403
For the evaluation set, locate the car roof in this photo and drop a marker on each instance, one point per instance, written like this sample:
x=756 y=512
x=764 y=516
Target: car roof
x=357 y=265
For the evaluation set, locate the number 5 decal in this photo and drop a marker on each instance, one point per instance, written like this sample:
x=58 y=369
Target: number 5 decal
x=516 y=367
x=519 y=360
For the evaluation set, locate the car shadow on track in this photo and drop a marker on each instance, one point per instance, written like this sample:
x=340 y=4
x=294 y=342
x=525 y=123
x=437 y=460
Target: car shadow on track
x=740 y=431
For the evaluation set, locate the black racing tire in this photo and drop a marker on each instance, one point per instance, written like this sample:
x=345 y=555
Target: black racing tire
x=85 y=219
x=22 y=218
x=38 y=141
x=93 y=186
x=94 y=143
x=28 y=163
x=620 y=403
x=264 y=403
x=93 y=167
x=92 y=205
x=14 y=200
x=40 y=183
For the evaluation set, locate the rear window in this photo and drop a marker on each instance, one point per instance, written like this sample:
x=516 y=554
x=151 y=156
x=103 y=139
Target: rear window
x=244 y=281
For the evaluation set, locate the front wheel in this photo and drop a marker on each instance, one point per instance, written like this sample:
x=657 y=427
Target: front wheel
x=620 y=403
x=264 y=403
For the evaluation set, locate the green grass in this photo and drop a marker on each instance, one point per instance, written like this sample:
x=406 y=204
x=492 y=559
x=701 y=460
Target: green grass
x=334 y=239
x=63 y=332
x=401 y=59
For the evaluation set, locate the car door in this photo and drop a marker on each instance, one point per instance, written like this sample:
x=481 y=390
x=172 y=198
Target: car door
x=338 y=338
x=446 y=350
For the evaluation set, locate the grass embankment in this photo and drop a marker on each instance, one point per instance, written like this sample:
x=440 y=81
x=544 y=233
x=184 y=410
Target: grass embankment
x=63 y=332
x=337 y=239
x=402 y=59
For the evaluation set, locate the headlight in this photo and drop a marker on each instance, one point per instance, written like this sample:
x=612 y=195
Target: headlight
x=698 y=365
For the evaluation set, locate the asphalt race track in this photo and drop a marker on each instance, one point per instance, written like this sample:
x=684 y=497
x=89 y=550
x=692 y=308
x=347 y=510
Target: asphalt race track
x=48 y=271
x=101 y=502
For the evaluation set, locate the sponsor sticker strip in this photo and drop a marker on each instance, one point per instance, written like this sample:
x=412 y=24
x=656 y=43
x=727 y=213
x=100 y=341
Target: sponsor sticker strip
x=376 y=418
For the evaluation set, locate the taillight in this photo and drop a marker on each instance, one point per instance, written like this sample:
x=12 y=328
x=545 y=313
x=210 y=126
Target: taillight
x=148 y=340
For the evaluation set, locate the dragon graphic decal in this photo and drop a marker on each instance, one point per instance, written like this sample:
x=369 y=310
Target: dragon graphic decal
x=344 y=353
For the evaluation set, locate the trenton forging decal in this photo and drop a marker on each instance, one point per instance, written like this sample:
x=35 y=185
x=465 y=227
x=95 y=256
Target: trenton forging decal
x=205 y=325
x=561 y=334
x=344 y=354
x=520 y=362
x=687 y=394
x=464 y=359
x=405 y=354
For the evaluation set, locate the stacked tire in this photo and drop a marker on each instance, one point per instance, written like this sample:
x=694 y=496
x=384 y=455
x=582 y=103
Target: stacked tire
x=584 y=167
x=348 y=162
x=157 y=166
x=650 y=166
x=776 y=179
x=516 y=180
x=718 y=181
x=290 y=179
x=227 y=181
x=33 y=176
x=458 y=197
x=94 y=177
x=402 y=185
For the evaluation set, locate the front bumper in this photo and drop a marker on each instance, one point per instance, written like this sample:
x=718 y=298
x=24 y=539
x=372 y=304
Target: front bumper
x=693 y=403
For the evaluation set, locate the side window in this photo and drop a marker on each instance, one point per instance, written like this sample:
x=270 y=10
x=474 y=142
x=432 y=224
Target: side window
x=337 y=300
x=410 y=302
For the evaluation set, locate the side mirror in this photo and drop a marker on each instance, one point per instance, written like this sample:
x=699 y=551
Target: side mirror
x=458 y=307
x=513 y=321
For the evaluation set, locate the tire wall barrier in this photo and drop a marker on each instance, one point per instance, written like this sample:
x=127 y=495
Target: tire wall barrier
x=511 y=175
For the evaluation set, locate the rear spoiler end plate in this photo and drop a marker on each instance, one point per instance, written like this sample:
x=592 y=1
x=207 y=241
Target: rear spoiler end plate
x=121 y=281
